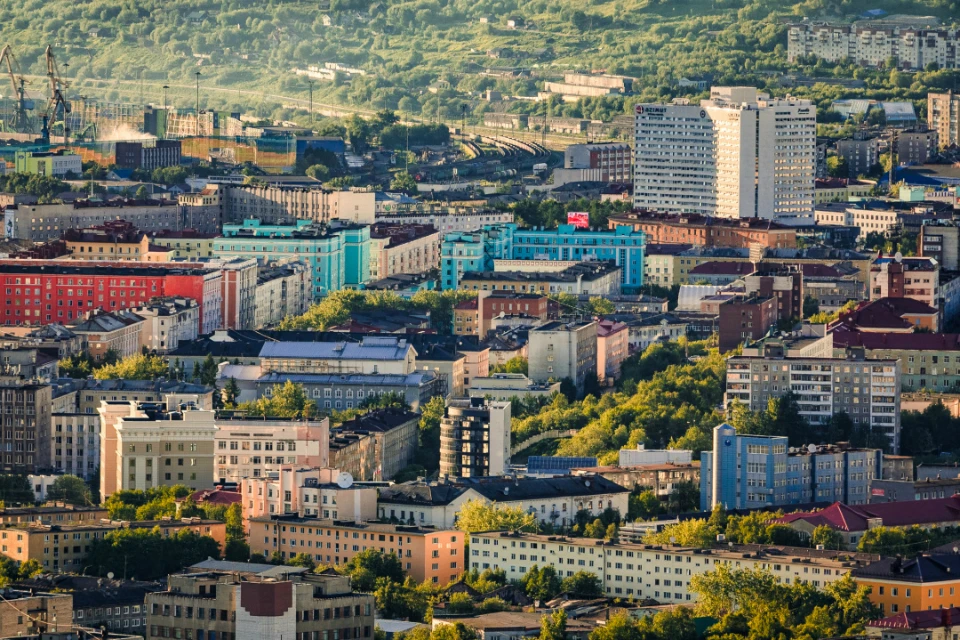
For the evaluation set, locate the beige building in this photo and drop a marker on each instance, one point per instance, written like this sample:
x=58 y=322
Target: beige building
x=450 y=367
x=103 y=331
x=669 y=264
x=75 y=444
x=505 y=386
x=376 y=445
x=559 y=350
x=45 y=222
x=257 y=447
x=202 y=212
x=143 y=446
x=324 y=492
x=187 y=244
x=613 y=347
x=52 y=513
x=404 y=248
x=282 y=290
x=167 y=322
x=98 y=246
x=292 y=604
x=26 y=613
x=943 y=116
x=273 y=203
x=475 y=438
x=841 y=190
x=65 y=547
x=661 y=572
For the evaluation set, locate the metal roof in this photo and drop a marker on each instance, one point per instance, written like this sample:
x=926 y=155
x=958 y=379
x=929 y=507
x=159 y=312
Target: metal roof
x=369 y=349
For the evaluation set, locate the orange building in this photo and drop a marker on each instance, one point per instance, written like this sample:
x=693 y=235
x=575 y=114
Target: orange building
x=64 y=548
x=923 y=583
x=695 y=229
x=427 y=554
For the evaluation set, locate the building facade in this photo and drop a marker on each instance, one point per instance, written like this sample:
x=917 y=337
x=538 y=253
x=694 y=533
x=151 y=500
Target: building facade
x=25 y=437
x=872 y=46
x=283 y=290
x=943 y=116
x=46 y=222
x=256 y=447
x=475 y=438
x=739 y=154
x=563 y=350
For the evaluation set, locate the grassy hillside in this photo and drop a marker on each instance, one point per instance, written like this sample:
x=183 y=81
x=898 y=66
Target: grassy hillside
x=406 y=46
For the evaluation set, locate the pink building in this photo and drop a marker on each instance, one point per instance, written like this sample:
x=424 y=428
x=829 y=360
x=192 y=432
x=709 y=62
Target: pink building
x=253 y=447
x=612 y=349
x=324 y=493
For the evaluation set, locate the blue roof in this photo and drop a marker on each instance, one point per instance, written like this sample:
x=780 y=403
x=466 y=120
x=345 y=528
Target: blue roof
x=559 y=463
x=369 y=349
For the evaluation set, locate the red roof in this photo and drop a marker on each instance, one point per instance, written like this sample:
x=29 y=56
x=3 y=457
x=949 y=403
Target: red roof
x=817 y=270
x=919 y=619
x=843 y=338
x=609 y=327
x=885 y=313
x=470 y=304
x=892 y=514
x=216 y=496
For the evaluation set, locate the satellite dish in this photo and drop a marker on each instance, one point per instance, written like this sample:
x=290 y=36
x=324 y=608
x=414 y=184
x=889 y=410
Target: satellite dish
x=110 y=575
x=344 y=480
x=898 y=257
x=812 y=448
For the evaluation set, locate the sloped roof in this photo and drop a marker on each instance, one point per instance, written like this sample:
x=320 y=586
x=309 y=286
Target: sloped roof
x=723 y=268
x=919 y=619
x=420 y=493
x=537 y=488
x=892 y=514
x=369 y=349
x=891 y=340
x=923 y=568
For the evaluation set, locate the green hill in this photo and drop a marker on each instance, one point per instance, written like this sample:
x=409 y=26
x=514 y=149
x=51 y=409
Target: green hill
x=404 y=47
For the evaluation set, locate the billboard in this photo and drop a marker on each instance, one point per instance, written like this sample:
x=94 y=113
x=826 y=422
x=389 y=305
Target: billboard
x=579 y=219
x=878 y=492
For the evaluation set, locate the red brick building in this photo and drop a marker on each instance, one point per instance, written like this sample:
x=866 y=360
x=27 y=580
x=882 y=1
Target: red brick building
x=45 y=291
x=742 y=319
x=695 y=229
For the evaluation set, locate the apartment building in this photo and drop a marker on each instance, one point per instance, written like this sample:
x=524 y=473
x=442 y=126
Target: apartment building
x=65 y=547
x=747 y=471
x=940 y=240
x=613 y=347
x=235 y=604
x=52 y=513
x=861 y=152
x=348 y=390
x=744 y=318
x=563 y=350
x=30 y=613
x=869 y=45
x=427 y=554
x=252 y=447
x=504 y=386
x=319 y=492
x=553 y=500
x=238 y=289
x=167 y=321
x=146 y=445
x=866 y=389
x=201 y=212
x=917 y=146
x=406 y=248
x=475 y=438
x=445 y=219
x=706 y=230
x=283 y=290
x=187 y=244
x=75 y=444
x=898 y=277
x=376 y=445
x=653 y=571
x=86 y=396
x=25 y=435
x=927 y=360
x=943 y=116
x=612 y=161
x=102 y=331
x=739 y=154
x=922 y=582
x=46 y=222
x=580 y=278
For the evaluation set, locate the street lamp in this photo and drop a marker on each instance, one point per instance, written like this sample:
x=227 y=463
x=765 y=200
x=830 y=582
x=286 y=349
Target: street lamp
x=165 y=87
x=310 y=84
x=198 y=102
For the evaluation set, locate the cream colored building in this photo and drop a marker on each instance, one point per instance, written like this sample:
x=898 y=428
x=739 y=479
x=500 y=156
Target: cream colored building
x=203 y=211
x=943 y=116
x=740 y=154
x=403 y=249
x=75 y=445
x=318 y=492
x=43 y=222
x=186 y=245
x=143 y=446
x=272 y=203
x=255 y=447
x=167 y=322
x=833 y=191
x=282 y=290
x=661 y=572
x=100 y=247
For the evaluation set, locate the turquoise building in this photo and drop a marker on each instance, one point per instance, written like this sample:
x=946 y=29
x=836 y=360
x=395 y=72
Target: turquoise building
x=464 y=252
x=338 y=256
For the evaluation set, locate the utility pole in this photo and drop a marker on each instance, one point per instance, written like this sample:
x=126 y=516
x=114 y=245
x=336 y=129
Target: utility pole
x=140 y=78
x=463 y=124
x=310 y=84
x=165 y=87
x=198 y=102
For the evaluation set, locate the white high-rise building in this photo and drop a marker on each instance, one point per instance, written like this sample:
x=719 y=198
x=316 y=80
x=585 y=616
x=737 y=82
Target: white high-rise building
x=740 y=154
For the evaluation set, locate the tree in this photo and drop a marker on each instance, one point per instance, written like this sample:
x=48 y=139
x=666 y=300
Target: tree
x=146 y=554
x=70 y=489
x=811 y=306
x=231 y=391
x=302 y=560
x=141 y=194
x=288 y=400
x=358 y=132
x=478 y=515
x=829 y=537
x=583 y=584
x=541 y=584
x=29 y=569
x=597 y=306
x=403 y=181
x=318 y=172
x=685 y=497
x=429 y=445
x=135 y=367
x=687 y=533
x=887 y=541
x=365 y=567
x=838 y=167
x=643 y=506
x=554 y=626
x=517 y=364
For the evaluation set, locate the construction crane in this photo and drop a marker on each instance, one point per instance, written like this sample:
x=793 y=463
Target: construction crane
x=58 y=107
x=20 y=122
